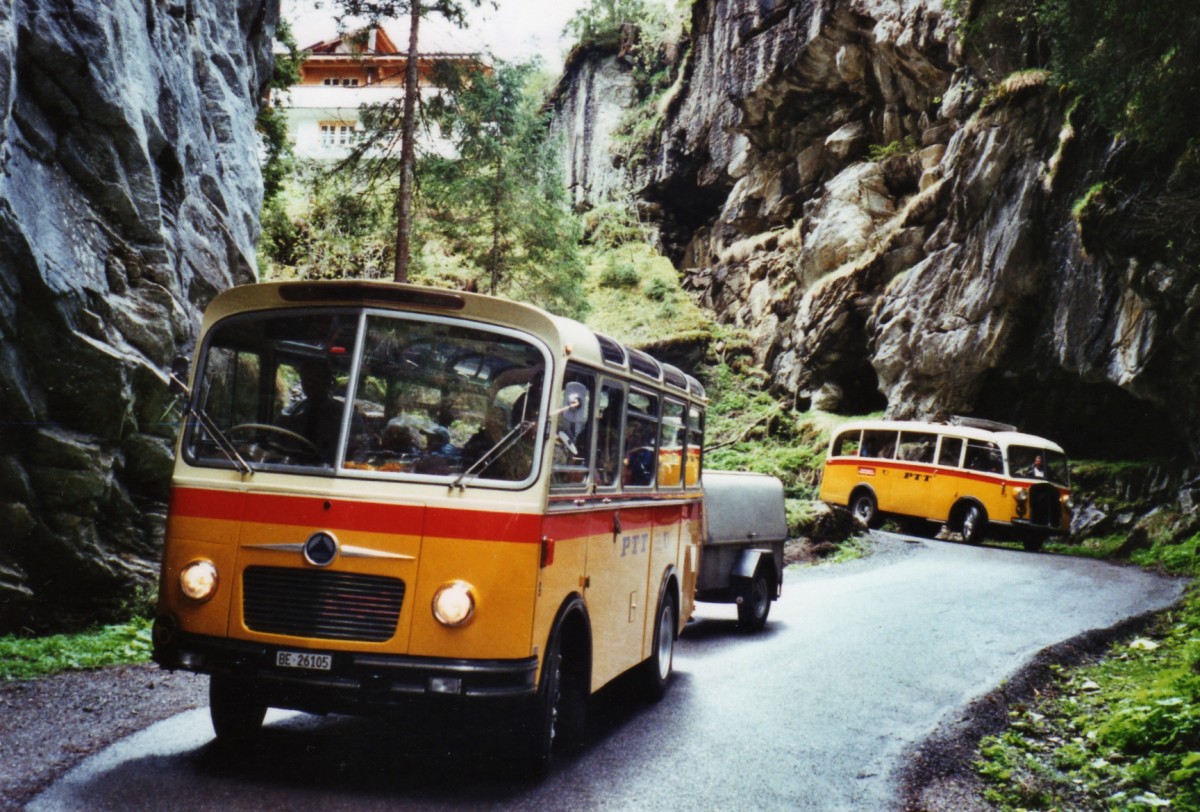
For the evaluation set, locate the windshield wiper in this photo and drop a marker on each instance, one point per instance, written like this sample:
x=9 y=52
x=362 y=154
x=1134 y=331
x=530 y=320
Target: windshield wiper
x=494 y=453
x=223 y=443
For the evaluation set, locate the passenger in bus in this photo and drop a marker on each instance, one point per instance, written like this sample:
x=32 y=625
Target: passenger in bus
x=1038 y=469
x=639 y=461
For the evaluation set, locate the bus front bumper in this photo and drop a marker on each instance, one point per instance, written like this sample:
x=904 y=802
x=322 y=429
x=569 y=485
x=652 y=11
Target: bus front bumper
x=340 y=681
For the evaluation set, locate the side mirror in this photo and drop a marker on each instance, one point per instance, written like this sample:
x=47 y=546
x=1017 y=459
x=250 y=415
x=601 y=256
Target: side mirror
x=179 y=376
x=575 y=404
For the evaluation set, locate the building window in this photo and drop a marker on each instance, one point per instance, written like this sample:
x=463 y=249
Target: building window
x=349 y=83
x=337 y=133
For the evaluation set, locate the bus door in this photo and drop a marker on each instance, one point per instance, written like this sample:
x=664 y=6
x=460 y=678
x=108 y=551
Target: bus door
x=913 y=483
x=618 y=560
x=876 y=453
x=949 y=464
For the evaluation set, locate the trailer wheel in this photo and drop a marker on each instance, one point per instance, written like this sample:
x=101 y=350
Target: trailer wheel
x=237 y=713
x=755 y=603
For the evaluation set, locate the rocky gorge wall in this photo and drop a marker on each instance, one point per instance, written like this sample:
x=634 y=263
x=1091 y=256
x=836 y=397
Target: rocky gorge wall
x=129 y=196
x=908 y=222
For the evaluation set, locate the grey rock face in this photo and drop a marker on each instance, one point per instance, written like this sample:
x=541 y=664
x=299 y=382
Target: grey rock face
x=129 y=196
x=895 y=220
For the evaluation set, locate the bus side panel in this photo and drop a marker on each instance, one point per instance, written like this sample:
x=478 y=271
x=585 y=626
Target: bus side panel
x=618 y=564
x=688 y=560
x=843 y=474
x=664 y=552
x=564 y=565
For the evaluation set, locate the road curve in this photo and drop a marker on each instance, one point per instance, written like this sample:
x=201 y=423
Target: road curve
x=858 y=662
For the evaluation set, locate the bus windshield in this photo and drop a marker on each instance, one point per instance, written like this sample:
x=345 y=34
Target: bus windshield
x=1038 y=463
x=374 y=393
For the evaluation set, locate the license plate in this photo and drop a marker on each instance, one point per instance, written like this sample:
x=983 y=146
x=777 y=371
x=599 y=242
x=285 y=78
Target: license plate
x=301 y=659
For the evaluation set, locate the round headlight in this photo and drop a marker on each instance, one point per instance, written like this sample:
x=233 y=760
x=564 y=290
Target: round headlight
x=454 y=604
x=1068 y=502
x=1022 y=495
x=198 y=580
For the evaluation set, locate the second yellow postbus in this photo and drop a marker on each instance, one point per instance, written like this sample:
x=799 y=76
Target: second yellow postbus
x=973 y=476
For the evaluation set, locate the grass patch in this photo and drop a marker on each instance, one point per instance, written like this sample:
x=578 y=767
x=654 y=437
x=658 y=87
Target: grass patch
x=1122 y=733
x=118 y=644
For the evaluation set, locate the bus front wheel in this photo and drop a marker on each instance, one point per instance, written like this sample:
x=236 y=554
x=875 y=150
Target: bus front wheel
x=556 y=722
x=237 y=714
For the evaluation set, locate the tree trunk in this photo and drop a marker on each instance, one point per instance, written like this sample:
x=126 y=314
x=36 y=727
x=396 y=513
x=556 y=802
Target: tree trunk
x=408 y=131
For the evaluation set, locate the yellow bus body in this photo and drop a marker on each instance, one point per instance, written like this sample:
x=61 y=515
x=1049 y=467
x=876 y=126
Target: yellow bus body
x=582 y=569
x=926 y=471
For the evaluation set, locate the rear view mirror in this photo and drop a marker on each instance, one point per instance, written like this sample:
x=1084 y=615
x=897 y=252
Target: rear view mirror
x=575 y=404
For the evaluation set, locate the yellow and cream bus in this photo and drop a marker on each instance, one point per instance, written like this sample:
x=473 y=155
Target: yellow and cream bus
x=390 y=497
x=973 y=476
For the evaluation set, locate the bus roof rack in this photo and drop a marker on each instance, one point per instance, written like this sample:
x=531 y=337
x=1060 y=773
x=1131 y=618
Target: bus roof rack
x=980 y=423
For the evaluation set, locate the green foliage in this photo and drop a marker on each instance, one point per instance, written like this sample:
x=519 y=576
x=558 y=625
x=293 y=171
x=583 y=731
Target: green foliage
x=1136 y=64
x=899 y=147
x=500 y=200
x=603 y=22
x=1123 y=733
x=27 y=658
x=271 y=124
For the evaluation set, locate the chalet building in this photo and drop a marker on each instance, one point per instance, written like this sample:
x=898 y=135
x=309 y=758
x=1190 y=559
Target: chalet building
x=342 y=74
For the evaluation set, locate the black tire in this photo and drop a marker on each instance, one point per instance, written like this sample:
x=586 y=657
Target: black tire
x=237 y=712
x=865 y=508
x=971 y=523
x=755 y=603
x=557 y=719
x=1033 y=542
x=655 y=672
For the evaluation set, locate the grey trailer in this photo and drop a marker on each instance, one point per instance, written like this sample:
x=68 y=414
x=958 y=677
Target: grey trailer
x=741 y=554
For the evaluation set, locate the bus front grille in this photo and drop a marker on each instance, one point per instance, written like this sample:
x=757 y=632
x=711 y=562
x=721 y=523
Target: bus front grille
x=320 y=604
x=1044 y=506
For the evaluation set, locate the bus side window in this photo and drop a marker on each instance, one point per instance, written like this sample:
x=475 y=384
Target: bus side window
x=951 y=452
x=610 y=406
x=847 y=444
x=879 y=444
x=573 y=441
x=695 y=446
x=984 y=456
x=671 y=445
x=917 y=446
x=641 y=439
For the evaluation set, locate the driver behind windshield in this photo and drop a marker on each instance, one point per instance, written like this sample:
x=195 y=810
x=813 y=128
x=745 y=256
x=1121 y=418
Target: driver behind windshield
x=318 y=415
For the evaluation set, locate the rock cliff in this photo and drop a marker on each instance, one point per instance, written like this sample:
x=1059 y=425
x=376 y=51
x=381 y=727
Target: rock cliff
x=906 y=222
x=129 y=196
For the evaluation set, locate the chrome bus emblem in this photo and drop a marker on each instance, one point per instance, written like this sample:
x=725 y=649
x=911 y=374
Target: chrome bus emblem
x=321 y=549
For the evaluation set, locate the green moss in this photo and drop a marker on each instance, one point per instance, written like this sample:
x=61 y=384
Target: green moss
x=30 y=657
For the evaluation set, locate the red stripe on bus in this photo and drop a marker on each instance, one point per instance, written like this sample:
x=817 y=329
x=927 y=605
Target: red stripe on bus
x=959 y=473
x=368 y=517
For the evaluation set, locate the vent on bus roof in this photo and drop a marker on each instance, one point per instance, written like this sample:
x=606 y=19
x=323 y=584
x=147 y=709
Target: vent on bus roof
x=360 y=292
x=611 y=351
x=674 y=377
x=980 y=423
x=640 y=362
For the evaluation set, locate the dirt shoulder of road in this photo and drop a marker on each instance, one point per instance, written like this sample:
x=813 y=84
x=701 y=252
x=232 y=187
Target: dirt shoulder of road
x=49 y=725
x=939 y=775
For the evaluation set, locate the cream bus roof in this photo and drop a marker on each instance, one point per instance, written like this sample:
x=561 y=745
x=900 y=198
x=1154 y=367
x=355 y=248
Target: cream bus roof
x=563 y=334
x=1003 y=438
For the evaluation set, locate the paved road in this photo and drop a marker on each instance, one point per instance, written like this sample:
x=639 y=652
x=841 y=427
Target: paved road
x=857 y=663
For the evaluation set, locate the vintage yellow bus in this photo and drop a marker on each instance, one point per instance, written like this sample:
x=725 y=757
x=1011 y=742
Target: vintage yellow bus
x=395 y=498
x=972 y=476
